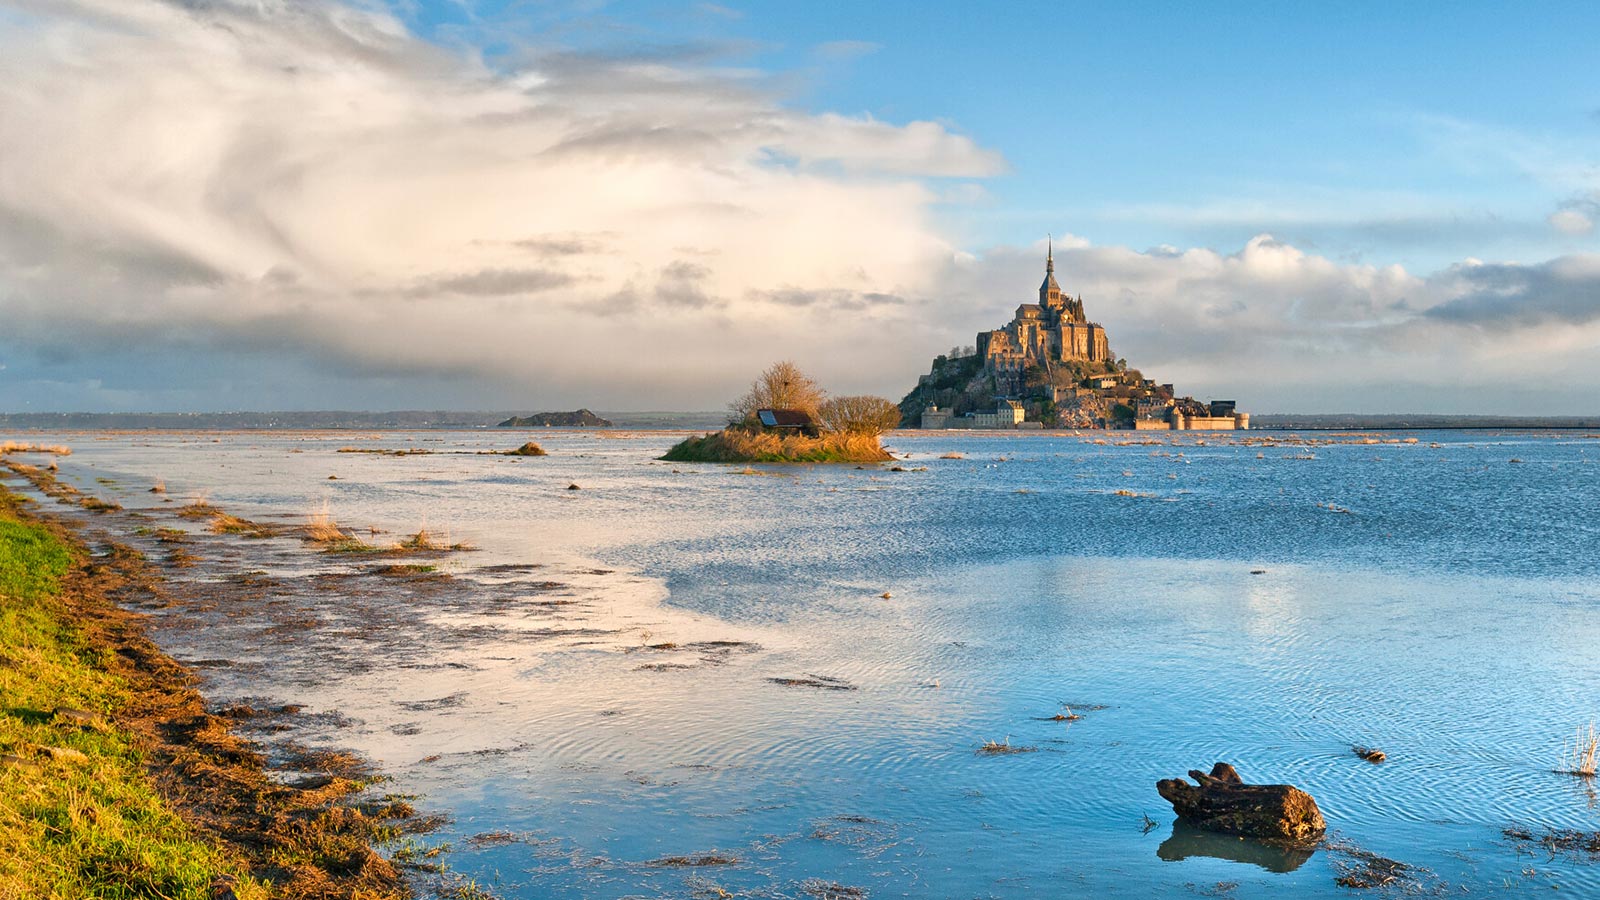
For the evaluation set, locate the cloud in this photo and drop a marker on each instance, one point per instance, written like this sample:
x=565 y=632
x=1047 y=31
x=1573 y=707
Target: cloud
x=718 y=11
x=1510 y=298
x=1571 y=221
x=564 y=244
x=683 y=284
x=191 y=193
x=828 y=298
x=1576 y=216
x=846 y=49
x=494 y=282
x=282 y=174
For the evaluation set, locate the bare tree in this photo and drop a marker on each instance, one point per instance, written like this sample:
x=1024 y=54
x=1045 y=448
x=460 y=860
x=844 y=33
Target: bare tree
x=858 y=415
x=781 y=386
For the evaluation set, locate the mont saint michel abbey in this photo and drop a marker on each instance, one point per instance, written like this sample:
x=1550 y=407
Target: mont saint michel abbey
x=1046 y=333
x=1050 y=367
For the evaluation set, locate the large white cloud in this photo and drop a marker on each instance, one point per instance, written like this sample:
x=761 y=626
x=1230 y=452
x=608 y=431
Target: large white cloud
x=312 y=171
x=308 y=180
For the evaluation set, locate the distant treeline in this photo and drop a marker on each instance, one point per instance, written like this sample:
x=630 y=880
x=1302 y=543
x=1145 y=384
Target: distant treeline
x=333 y=419
x=668 y=420
x=1393 y=422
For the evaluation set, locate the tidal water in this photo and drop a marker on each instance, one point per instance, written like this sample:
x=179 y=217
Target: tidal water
x=679 y=663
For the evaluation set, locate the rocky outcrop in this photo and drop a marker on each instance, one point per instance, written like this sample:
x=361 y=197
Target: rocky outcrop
x=581 y=418
x=1222 y=802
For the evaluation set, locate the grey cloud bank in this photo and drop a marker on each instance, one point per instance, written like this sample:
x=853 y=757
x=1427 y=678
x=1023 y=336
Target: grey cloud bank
x=296 y=205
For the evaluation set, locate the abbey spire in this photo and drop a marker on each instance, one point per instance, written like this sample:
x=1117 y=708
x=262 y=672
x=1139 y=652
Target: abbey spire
x=1049 y=291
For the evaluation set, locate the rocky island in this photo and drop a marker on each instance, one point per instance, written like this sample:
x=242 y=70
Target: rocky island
x=581 y=418
x=1051 y=367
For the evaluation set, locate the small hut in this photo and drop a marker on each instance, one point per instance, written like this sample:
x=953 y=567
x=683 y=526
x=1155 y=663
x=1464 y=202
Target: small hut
x=787 y=421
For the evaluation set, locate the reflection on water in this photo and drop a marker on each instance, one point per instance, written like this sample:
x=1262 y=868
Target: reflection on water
x=1187 y=841
x=691 y=662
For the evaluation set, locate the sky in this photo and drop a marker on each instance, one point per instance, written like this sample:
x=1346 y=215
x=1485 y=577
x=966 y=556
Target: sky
x=505 y=204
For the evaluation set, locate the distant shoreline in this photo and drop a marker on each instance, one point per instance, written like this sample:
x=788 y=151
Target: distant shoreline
x=445 y=420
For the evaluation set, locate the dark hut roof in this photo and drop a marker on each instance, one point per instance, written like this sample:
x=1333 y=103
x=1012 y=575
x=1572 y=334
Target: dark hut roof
x=784 y=418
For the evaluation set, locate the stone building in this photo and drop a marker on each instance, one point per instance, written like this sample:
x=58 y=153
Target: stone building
x=1006 y=414
x=1052 y=331
x=1083 y=386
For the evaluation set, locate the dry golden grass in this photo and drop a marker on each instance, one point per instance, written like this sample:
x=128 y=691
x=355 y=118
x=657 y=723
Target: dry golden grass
x=1580 y=758
x=321 y=528
x=424 y=541
x=222 y=523
x=421 y=541
x=199 y=508
x=19 y=447
x=741 y=445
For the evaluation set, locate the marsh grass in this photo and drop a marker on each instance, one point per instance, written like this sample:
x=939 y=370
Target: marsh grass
x=198 y=508
x=1554 y=840
x=19 y=447
x=1004 y=747
x=740 y=445
x=1580 y=758
x=464 y=890
x=424 y=541
x=378 y=451
x=528 y=449
x=222 y=523
x=322 y=529
x=78 y=826
x=421 y=542
x=400 y=570
x=349 y=544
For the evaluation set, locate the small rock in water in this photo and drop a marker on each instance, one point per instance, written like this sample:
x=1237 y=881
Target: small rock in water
x=1258 y=571
x=573 y=487
x=1223 y=802
x=1370 y=754
x=886 y=595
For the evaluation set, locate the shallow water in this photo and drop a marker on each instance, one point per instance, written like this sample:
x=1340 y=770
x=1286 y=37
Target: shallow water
x=1439 y=602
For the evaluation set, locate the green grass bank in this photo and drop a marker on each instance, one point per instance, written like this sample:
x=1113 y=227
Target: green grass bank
x=116 y=783
x=79 y=816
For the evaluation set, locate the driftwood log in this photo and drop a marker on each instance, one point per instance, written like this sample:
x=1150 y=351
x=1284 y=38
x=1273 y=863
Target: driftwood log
x=1223 y=802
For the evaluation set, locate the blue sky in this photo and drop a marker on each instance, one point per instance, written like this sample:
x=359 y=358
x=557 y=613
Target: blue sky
x=281 y=204
x=1417 y=133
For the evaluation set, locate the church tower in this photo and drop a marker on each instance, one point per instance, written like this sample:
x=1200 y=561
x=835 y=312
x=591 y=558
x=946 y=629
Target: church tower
x=1049 y=291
